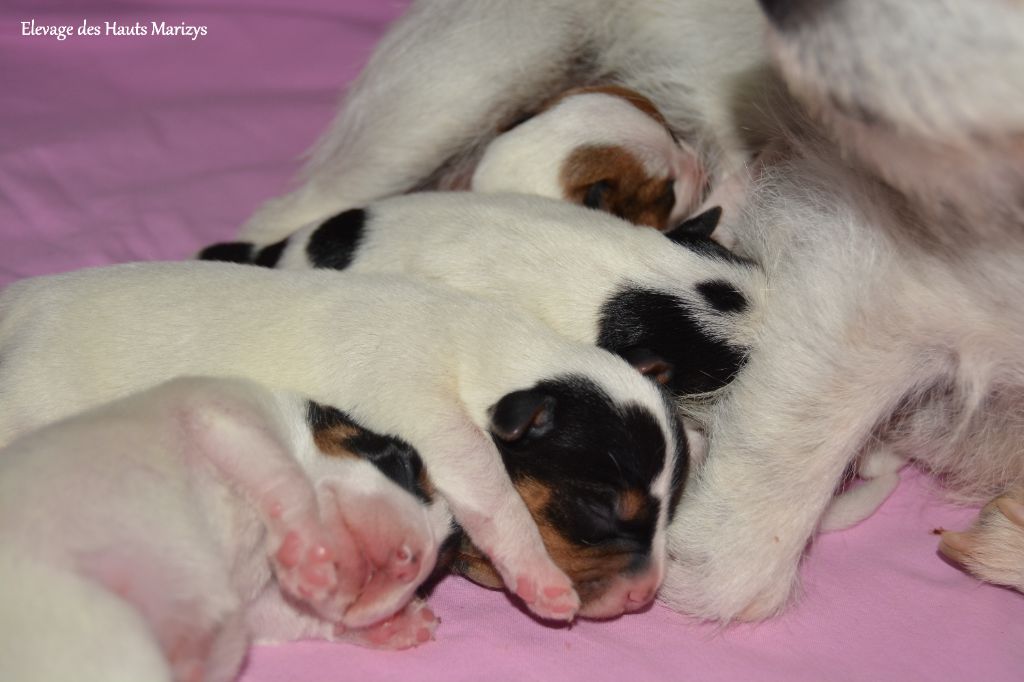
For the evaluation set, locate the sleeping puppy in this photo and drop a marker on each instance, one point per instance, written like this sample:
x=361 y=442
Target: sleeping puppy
x=477 y=390
x=134 y=538
x=606 y=148
x=684 y=312
x=893 y=255
x=450 y=75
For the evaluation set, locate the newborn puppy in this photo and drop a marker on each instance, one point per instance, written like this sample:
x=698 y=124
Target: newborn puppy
x=684 y=312
x=476 y=389
x=607 y=148
x=135 y=536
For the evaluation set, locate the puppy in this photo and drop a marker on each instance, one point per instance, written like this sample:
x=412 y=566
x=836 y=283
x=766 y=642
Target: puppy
x=134 y=537
x=685 y=312
x=606 y=148
x=477 y=390
x=891 y=238
x=697 y=61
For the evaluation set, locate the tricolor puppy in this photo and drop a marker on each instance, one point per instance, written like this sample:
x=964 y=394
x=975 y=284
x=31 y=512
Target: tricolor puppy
x=136 y=537
x=607 y=148
x=476 y=389
x=684 y=311
x=892 y=238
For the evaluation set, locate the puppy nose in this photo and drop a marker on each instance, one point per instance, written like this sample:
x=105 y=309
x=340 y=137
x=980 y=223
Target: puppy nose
x=788 y=13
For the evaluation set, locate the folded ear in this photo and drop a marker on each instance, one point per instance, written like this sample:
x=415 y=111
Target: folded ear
x=520 y=413
x=698 y=227
x=650 y=364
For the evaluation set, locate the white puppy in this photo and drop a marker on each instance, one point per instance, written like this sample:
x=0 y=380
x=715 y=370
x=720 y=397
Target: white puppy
x=135 y=537
x=683 y=311
x=606 y=148
x=458 y=378
x=892 y=244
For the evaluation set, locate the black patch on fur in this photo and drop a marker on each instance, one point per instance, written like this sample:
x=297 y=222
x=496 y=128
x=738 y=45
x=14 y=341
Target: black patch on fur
x=699 y=226
x=269 y=255
x=703 y=246
x=786 y=14
x=665 y=324
x=228 y=252
x=395 y=458
x=722 y=296
x=334 y=244
x=594 y=451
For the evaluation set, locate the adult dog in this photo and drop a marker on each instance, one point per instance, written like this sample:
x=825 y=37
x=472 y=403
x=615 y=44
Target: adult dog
x=889 y=221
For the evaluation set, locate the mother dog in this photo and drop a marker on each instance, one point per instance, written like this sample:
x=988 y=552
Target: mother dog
x=890 y=221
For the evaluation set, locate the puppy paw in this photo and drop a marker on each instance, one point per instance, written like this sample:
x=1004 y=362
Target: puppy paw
x=303 y=556
x=390 y=531
x=993 y=547
x=547 y=592
x=413 y=625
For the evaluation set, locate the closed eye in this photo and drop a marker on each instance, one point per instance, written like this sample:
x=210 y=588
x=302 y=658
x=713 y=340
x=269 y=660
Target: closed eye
x=595 y=195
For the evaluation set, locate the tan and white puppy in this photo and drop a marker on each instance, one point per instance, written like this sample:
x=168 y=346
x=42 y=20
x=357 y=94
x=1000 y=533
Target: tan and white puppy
x=135 y=538
x=476 y=389
x=607 y=148
x=449 y=76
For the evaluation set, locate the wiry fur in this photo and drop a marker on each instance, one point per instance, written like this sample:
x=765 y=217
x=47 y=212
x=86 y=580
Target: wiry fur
x=422 y=363
x=892 y=239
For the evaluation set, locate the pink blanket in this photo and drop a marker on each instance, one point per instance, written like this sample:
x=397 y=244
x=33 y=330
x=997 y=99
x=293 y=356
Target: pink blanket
x=129 y=147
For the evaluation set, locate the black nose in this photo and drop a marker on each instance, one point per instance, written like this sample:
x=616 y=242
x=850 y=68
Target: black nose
x=788 y=13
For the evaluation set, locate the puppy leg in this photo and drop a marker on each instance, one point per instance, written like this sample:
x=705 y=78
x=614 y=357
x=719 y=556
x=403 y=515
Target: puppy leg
x=993 y=547
x=441 y=82
x=467 y=470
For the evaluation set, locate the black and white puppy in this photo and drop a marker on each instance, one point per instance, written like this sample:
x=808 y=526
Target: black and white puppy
x=479 y=391
x=683 y=310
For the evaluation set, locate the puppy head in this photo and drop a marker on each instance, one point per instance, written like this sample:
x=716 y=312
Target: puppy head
x=600 y=476
x=918 y=90
x=607 y=148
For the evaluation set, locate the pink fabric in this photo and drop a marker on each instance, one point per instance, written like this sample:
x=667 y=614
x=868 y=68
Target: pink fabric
x=128 y=148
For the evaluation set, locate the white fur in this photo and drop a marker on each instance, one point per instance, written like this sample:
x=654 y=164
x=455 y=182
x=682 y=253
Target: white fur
x=426 y=364
x=558 y=262
x=450 y=73
x=133 y=537
x=895 y=307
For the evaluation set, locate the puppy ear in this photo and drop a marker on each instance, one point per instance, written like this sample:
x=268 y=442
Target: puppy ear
x=520 y=413
x=698 y=227
x=650 y=364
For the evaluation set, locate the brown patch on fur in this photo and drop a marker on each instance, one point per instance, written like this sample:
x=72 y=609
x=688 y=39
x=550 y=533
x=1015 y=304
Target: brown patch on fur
x=626 y=191
x=592 y=569
x=332 y=433
x=631 y=504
